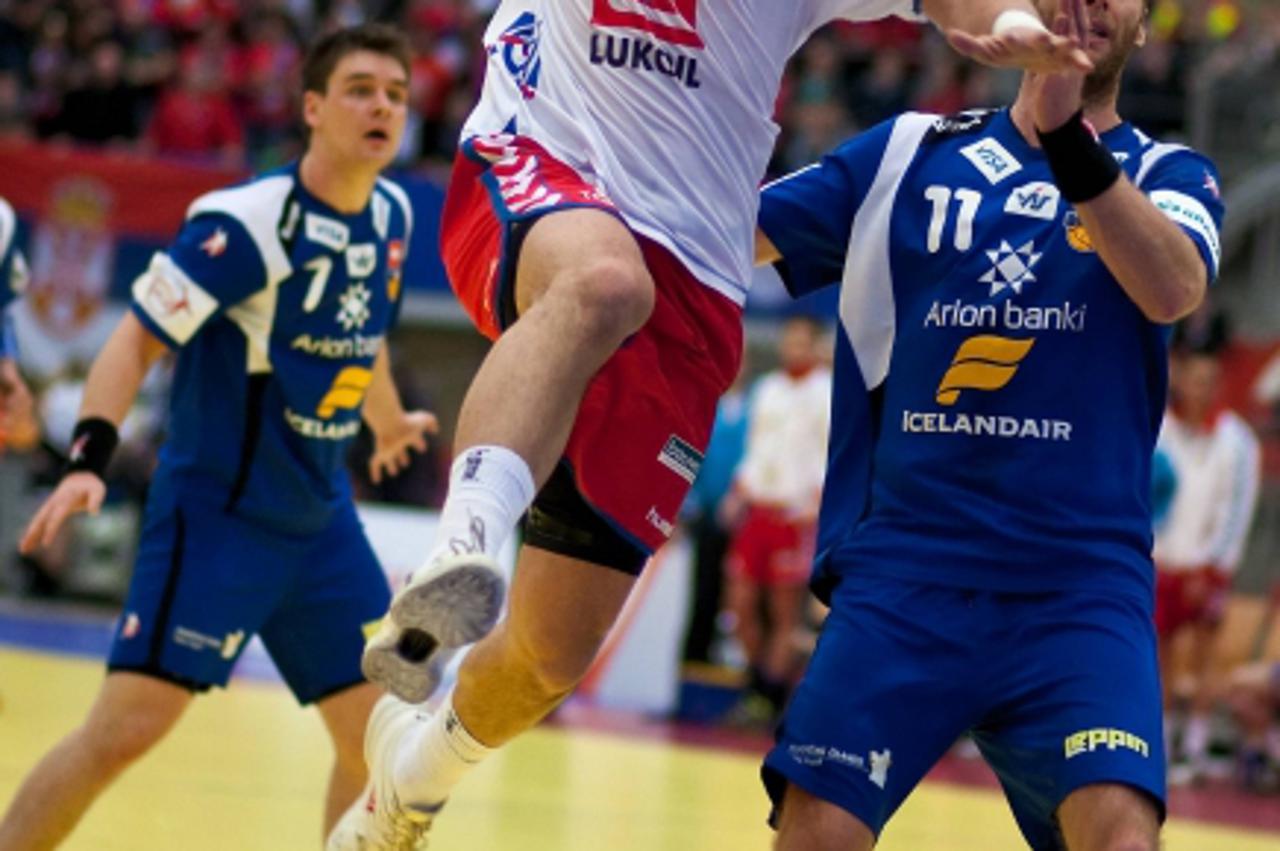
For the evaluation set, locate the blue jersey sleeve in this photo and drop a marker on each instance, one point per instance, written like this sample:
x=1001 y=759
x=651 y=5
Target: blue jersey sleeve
x=1184 y=185
x=808 y=215
x=213 y=265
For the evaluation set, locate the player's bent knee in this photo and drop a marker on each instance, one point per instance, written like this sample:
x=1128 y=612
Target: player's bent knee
x=614 y=297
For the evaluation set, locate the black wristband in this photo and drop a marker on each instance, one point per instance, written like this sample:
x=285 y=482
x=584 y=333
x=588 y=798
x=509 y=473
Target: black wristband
x=92 y=442
x=1082 y=166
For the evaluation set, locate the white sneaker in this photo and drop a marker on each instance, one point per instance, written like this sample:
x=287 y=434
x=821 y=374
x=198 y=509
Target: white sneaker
x=452 y=603
x=377 y=821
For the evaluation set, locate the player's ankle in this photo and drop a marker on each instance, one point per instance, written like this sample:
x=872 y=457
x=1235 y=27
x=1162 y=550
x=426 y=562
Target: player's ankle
x=490 y=487
x=435 y=757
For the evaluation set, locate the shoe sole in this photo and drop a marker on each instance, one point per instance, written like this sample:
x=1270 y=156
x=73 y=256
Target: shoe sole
x=456 y=603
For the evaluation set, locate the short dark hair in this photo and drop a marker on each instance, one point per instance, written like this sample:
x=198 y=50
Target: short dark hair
x=324 y=55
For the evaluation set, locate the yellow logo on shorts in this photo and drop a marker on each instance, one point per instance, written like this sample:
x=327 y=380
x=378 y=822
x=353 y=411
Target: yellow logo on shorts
x=1088 y=741
x=985 y=362
x=346 y=393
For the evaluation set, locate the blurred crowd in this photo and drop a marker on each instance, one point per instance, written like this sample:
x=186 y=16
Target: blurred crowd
x=217 y=79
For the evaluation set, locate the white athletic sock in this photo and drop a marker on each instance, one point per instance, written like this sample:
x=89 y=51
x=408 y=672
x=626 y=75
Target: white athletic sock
x=490 y=487
x=434 y=756
x=1195 y=738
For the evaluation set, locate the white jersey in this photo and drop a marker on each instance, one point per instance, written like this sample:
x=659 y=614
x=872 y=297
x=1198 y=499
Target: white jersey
x=1217 y=473
x=666 y=106
x=787 y=429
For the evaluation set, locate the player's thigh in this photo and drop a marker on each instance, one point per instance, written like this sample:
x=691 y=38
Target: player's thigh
x=1109 y=817
x=203 y=583
x=578 y=247
x=337 y=597
x=1076 y=705
x=808 y=823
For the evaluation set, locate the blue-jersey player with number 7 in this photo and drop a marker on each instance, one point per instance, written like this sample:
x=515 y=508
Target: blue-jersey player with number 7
x=1007 y=281
x=277 y=295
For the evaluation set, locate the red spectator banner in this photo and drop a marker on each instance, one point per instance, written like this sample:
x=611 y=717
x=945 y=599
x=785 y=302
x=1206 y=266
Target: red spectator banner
x=125 y=194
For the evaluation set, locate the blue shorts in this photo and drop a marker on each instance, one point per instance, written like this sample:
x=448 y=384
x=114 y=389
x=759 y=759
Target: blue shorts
x=205 y=582
x=1059 y=691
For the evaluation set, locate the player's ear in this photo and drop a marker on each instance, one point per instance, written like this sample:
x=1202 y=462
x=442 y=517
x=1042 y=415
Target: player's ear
x=311 y=108
x=1140 y=38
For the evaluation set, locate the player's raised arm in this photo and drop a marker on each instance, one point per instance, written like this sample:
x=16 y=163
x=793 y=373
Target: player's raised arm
x=1008 y=34
x=1160 y=240
x=109 y=392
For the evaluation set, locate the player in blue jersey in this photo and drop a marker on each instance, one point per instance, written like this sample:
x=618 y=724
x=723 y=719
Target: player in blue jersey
x=14 y=398
x=277 y=295
x=1007 y=280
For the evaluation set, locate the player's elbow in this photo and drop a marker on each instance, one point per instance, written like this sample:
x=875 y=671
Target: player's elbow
x=1175 y=298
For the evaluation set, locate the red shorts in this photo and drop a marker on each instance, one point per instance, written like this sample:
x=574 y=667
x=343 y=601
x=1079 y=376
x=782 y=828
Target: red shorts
x=646 y=417
x=1186 y=597
x=771 y=549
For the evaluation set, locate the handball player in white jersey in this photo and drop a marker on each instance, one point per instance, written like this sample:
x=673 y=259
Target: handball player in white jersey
x=598 y=227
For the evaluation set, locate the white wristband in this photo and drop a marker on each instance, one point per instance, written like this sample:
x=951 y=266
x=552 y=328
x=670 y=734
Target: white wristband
x=1011 y=19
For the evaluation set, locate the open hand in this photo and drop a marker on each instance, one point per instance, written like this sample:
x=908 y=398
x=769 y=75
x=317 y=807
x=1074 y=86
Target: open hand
x=1029 y=48
x=76 y=493
x=392 y=449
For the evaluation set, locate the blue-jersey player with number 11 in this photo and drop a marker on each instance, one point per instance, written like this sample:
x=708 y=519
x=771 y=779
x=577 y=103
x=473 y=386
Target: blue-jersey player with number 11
x=1007 y=280
x=277 y=295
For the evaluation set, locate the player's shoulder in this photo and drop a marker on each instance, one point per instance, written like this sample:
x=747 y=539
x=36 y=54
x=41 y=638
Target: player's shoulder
x=257 y=204
x=245 y=217
x=1234 y=428
x=1154 y=154
x=388 y=191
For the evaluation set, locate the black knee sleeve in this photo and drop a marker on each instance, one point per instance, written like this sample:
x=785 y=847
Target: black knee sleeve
x=561 y=521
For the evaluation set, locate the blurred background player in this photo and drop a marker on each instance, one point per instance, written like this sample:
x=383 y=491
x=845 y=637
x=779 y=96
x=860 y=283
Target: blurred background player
x=15 y=400
x=775 y=497
x=1216 y=459
x=278 y=294
x=985 y=536
x=603 y=193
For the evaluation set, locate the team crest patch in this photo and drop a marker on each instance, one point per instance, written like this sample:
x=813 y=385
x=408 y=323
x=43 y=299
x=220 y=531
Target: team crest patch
x=518 y=47
x=1077 y=235
x=681 y=458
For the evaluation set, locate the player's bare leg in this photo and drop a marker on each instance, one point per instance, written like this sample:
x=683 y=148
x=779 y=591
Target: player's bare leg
x=1109 y=817
x=808 y=823
x=561 y=611
x=131 y=714
x=581 y=289
x=345 y=715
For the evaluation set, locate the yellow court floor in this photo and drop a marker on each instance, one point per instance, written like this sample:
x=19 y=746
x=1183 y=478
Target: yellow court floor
x=246 y=768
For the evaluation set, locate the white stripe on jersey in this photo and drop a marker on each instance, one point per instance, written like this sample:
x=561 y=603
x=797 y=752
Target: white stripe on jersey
x=402 y=198
x=8 y=228
x=258 y=206
x=1153 y=155
x=866 y=290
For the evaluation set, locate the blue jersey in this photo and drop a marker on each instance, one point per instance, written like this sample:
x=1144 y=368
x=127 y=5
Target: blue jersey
x=997 y=394
x=13 y=274
x=279 y=305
